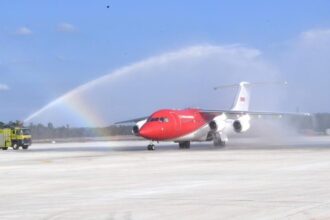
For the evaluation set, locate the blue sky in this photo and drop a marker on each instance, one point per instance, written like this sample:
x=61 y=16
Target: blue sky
x=48 y=48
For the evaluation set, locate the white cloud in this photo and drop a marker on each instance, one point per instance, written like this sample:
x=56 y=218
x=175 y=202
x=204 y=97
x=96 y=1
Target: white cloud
x=24 y=31
x=315 y=34
x=66 y=28
x=314 y=38
x=4 y=87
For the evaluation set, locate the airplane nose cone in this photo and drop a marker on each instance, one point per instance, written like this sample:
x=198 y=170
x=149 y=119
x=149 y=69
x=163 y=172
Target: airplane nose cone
x=147 y=132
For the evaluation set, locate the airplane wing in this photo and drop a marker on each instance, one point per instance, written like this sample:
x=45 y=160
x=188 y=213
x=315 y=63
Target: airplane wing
x=235 y=114
x=135 y=120
x=231 y=114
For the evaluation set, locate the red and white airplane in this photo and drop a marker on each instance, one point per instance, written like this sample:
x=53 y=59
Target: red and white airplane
x=187 y=125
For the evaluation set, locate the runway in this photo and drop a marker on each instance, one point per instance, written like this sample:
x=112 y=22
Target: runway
x=249 y=179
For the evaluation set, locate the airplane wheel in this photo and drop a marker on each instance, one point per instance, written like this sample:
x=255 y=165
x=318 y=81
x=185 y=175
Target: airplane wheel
x=219 y=143
x=151 y=147
x=184 y=145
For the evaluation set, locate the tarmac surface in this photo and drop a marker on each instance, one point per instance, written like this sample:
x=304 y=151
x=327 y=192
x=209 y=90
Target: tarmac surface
x=249 y=179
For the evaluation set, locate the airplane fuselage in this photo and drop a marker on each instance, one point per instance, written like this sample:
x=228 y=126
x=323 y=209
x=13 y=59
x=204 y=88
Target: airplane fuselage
x=176 y=125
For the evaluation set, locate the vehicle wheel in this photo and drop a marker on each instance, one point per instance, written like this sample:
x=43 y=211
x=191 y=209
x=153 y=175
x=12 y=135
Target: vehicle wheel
x=15 y=146
x=151 y=147
x=25 y=147
x=4 y=148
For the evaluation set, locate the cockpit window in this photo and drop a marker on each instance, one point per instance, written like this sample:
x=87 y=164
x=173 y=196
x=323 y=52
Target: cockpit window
x=160 y=119
x=153 y=119
x=164 y=119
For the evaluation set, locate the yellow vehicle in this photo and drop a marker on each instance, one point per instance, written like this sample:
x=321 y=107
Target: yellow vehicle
x=20 y=137
x=5 y=138
x=15 y=137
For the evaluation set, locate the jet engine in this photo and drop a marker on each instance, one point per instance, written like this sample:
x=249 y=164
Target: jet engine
x=137 y=126
x=242 y=124
x=218 y=123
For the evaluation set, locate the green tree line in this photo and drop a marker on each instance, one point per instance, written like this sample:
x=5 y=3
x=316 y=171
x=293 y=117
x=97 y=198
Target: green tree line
x=49 y=131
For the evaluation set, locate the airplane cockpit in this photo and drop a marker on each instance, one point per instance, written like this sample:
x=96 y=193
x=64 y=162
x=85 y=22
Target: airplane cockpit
x=159 y=119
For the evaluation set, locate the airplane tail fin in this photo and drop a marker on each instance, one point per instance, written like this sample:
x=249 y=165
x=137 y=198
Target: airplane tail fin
x=242 y=99
x=243 y=95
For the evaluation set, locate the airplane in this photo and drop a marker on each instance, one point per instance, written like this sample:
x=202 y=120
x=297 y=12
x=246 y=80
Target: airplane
x=197 y=125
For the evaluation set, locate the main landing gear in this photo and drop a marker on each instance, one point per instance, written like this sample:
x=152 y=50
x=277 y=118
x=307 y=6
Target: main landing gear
x=151 y=146
x=184 y=145
x=219 y=143
x=219 y=140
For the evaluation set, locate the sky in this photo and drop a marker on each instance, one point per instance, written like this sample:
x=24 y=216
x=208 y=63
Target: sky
x=49 y=48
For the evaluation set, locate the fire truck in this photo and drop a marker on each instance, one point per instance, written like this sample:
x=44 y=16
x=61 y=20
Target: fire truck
x=15 y=137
